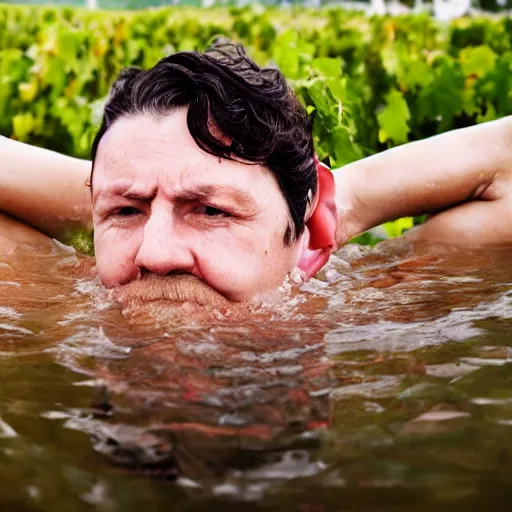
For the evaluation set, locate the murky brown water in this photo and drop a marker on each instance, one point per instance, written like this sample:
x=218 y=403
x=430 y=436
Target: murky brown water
x=383 y=385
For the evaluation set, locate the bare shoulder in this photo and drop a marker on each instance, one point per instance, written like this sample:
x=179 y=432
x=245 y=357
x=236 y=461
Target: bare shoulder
x=14 y=235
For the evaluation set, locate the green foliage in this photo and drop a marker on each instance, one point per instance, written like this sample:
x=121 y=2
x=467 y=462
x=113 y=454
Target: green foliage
x=368 y=83
x=393 y=119
x=81 y=240
x=397 y=227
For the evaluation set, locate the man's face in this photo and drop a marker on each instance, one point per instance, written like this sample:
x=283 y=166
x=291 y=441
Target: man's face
x=162 y=206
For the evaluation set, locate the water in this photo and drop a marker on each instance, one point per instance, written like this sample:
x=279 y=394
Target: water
x=384 y=385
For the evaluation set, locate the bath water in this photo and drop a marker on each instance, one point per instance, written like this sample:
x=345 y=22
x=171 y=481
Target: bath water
x=383 y=384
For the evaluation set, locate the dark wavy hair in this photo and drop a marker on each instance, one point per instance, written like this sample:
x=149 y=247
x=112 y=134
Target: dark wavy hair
x=252 y=107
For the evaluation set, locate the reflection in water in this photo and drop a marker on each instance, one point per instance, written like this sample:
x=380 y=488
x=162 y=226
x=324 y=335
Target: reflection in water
x=389 y=372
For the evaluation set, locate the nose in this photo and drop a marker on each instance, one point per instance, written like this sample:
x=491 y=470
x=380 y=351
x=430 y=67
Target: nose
x=164 y=249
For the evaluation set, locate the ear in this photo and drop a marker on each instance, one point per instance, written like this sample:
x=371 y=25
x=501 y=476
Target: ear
x=320 y=231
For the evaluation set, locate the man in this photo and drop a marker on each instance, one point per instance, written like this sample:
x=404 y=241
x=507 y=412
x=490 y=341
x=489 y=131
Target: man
x=204 y=170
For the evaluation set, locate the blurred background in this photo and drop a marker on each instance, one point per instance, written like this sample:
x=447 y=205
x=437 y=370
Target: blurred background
x=489 y=5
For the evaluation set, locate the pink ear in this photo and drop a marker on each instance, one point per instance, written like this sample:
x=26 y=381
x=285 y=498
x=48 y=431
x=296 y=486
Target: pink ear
x=320 y=233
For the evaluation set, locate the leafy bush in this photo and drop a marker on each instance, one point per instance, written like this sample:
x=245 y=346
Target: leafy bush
x=369 y=83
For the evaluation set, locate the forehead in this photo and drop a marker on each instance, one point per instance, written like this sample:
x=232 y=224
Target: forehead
x=148 y=150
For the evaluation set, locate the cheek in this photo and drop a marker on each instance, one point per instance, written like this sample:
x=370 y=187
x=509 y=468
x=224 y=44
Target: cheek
x=229 y=261
x=278 y=260
x=115 y=257
x=243 y=266
x=221 y=258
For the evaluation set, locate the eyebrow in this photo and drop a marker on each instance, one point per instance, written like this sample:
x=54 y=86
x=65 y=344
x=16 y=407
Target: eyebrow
x=126 y=190
x=240 y=198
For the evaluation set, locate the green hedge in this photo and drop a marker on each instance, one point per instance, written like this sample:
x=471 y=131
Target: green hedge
x=369 y=83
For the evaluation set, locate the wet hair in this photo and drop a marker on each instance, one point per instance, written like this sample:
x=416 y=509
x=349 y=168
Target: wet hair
x=259 y=118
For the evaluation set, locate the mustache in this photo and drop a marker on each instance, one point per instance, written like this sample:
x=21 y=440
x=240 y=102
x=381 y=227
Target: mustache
x=174 y=288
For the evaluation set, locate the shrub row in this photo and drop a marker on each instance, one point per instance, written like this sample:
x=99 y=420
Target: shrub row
x=368 y=83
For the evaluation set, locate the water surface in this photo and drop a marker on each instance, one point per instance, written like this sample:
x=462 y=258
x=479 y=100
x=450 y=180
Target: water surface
x=385 y=384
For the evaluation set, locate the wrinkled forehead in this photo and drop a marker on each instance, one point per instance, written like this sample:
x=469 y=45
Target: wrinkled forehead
x=143 y=143
x=138 y=155
x=142 y=148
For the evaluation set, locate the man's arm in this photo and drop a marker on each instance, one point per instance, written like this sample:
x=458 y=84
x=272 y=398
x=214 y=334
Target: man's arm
x=466 y=175
x=44 y=189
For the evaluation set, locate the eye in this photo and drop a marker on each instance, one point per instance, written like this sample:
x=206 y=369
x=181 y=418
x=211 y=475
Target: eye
x=126 y=211
x=211 y=211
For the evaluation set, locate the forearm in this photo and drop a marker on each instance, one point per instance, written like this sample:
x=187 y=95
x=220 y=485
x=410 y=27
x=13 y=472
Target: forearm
x=44 y=189
x=424 y=177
